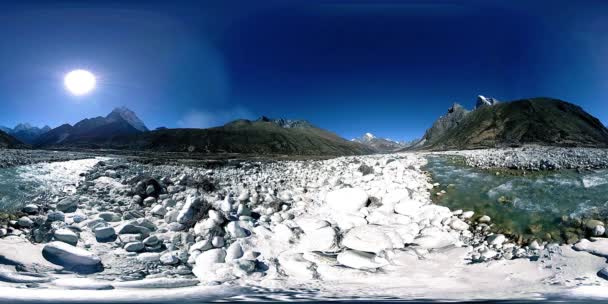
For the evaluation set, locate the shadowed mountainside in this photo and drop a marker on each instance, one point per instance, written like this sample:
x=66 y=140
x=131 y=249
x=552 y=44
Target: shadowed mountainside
x=263 y=136
x=543 y=121
x=7 y=141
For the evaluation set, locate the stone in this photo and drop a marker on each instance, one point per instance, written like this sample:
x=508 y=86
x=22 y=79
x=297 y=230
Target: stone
x=234 y=229
x=203 y=245
x=149 y=201
x=459 y=225
x=368 y=238
x=109 y=216
x=23 y=277
x=467 y=214
x=151 y=240
x=294 y=265
x=408 y=207
x=311 y=224
x=599 y=230
x=598 y=247
x=534 y=245
x=132 y=229
x=434 y=239
x=68 y=204
x=322 y=239
x=217 y=241
x=25 y=222
x=348 y=200
x=484 y=219
x=591 y=224
x=30 y=209
x=72 y=258
x=104 y=232
x=191 y=208
x=212 y=256
x=603 y=273
x=158 y=210
x=496 y=239
x=134 y=246
x=66 y=235
x=233 y=252
x=169 y=258
x=55 y=216
x=148 y=257
x=361 y=260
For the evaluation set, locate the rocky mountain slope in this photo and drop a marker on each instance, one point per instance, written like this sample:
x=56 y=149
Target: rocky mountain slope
x=262 y=136
x=7 y=141
x=94 y=132
x=543 y=121
x=25 y=132
x=379 y=144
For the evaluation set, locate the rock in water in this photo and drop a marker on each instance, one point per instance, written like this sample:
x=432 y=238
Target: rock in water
x=347 y=199
x=72 y=258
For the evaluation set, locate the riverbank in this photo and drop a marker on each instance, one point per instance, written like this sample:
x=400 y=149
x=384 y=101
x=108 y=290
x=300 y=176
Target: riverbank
x=533 y=158
x=320 y=229
x=19 y=157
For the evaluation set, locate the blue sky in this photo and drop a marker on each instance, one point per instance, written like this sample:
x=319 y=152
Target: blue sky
x=386 y=67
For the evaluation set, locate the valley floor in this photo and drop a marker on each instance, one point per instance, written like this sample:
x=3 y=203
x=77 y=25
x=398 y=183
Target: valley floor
x=348 y=228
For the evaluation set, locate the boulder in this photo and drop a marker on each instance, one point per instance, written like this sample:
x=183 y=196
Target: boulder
x=68 y=204
x=368 y=238
x=71 y=257
x=347 y=200
x=104 y=233
x=66 y=235
x=233 y=252
x=361 y=260
x=193 y=207
x=323 y=239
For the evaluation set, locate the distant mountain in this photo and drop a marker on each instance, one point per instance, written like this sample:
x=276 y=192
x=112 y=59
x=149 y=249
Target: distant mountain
x=379 y=144
x=543 y=121
x=124 y=114
x=262 y=136
x=94 y=132
x=25 y=132
x=8 y=141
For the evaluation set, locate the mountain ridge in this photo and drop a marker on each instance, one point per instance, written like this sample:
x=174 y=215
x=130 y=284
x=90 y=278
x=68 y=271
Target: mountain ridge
x=540 y=120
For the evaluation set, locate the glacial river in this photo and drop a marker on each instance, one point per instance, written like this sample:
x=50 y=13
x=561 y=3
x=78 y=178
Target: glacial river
x=535 y=205
x=24 y=184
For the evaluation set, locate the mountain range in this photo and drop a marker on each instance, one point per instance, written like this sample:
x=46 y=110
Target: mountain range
x=262 y=136
x=380 y=145
x=25 y=132
x=491 y=123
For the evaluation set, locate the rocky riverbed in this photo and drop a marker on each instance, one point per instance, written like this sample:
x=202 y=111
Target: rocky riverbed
x=360 y=226
x=534 y=158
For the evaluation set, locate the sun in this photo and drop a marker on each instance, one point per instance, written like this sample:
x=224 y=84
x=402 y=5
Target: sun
x=79 y=82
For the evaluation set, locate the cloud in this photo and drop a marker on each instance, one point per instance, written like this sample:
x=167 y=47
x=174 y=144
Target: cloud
x=200 y=119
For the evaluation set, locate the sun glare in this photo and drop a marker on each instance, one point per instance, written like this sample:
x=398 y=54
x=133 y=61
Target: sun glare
x=79 y=82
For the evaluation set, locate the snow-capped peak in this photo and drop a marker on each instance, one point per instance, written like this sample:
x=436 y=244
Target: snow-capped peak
x=370 y=135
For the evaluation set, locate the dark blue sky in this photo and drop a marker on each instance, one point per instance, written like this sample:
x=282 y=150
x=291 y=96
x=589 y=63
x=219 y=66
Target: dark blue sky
x=386 y=67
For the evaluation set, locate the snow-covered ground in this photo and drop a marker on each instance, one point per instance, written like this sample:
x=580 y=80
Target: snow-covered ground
x=359 y=227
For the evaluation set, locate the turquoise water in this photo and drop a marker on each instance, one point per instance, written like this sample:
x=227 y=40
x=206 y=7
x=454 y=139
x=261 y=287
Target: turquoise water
x=26 y=184
x=541 y=205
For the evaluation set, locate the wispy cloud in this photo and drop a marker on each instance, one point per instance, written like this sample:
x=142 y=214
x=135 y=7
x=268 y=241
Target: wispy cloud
x=197 y=118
